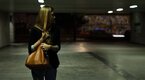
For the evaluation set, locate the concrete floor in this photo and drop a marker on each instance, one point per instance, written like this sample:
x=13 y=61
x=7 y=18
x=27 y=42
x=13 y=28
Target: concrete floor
x=81 y=61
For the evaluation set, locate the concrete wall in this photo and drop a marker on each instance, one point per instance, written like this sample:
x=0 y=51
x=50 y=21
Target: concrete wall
x=138 y=28
x=4 y=29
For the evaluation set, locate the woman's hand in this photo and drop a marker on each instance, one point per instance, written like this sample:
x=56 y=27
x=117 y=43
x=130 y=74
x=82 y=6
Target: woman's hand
x=44 y=36
x=45 y=46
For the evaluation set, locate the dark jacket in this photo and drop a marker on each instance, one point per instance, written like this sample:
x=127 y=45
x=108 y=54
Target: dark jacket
x=36 y=33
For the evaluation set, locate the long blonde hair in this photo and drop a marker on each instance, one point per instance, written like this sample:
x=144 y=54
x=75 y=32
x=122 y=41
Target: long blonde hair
x=43 y=18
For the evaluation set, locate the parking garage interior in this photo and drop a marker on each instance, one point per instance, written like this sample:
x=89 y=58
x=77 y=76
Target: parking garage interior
x=98 y=42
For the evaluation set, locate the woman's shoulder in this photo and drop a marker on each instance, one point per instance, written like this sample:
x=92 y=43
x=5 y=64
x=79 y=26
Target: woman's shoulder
x=35 y=29
x=35 y=32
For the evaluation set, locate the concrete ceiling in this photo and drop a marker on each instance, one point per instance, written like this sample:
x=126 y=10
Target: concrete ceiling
x=72 y=6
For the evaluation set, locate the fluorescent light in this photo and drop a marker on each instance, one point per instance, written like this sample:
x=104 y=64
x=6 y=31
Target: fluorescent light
x=42 y=5
x=41 y=1
x=114 y=35
x=110 y=11
x=133 y=6
x=119 y=9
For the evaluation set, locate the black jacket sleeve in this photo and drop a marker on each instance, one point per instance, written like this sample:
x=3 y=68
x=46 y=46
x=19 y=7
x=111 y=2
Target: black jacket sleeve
x=34 y=35
x=55 y=32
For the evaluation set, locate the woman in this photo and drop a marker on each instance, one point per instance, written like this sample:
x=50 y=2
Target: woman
x=45 y=34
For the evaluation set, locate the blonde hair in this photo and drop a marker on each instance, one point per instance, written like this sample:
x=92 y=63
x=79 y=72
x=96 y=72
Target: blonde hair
x=43 y=18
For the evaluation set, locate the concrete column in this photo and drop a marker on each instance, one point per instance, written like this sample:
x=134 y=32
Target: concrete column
x=138 y=30
x=4 y=29
x=11 y=25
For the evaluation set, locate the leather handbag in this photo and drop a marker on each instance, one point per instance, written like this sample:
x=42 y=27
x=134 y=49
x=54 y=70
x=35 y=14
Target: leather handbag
x=37 y=60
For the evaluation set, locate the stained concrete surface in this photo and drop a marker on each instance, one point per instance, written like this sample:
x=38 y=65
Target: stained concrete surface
x=81 y=61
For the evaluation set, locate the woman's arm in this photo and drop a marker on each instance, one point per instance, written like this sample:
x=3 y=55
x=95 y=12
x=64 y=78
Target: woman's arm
x=50 y=47
x=39 y=41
